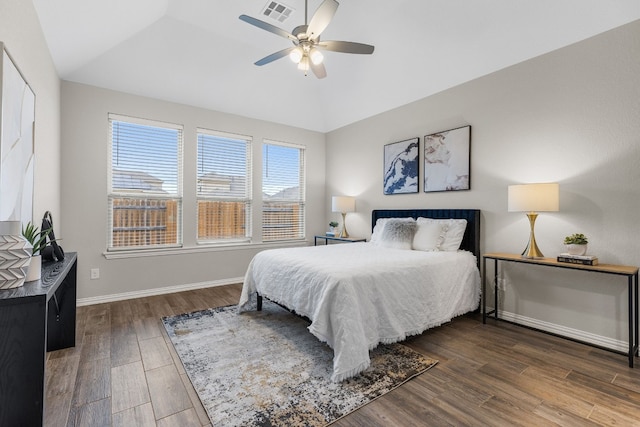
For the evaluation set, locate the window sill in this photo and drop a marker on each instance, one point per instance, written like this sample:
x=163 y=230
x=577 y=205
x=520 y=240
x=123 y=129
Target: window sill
x=140 y=253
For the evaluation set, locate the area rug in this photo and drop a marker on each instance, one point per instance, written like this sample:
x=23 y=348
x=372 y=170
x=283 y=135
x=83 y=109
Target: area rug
x=266 y=369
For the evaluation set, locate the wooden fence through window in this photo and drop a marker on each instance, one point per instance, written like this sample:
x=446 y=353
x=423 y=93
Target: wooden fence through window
x=221 y=220
x=144 y=222
x=154 y=222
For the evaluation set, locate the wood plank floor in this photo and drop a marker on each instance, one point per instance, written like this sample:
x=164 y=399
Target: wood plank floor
x=124 y=372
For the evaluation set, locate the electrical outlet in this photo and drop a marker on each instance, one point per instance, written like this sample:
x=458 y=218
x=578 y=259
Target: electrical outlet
x=95 y=273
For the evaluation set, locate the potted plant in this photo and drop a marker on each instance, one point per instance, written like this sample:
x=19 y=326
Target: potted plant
x=576 y=244
x=38 y=240
x=333 y=229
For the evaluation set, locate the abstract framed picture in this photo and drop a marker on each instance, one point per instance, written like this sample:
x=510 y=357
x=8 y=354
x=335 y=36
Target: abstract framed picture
x=401 y=167
x=16 y=142
x=447 y=160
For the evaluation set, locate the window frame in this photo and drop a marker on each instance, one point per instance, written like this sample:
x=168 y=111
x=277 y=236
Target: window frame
x=302 y=202
x=247 y=200
x=146 y=195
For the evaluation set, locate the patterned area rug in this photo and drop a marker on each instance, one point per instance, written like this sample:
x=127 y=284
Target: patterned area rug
x=266 y=369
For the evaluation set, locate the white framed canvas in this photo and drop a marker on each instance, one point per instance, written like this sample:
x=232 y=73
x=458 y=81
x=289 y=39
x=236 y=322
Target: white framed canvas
x=447 y=160
x=401 y=167
x=17 y=118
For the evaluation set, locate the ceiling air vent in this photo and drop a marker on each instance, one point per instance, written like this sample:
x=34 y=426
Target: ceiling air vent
x=277 y=11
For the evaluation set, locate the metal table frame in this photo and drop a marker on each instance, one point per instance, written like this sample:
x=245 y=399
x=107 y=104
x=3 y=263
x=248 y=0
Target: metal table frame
x=621 y=270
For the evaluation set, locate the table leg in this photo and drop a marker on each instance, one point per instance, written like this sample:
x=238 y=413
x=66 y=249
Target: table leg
x=483 y=296
x=633 y=318
x=495 y=288
x=637 y=319
x=631 y=326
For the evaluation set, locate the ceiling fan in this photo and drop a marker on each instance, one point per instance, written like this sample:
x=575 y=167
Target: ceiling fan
x=306 y=49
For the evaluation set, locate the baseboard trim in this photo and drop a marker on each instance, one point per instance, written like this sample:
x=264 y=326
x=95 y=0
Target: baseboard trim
x=564 y=331
x=156 y=291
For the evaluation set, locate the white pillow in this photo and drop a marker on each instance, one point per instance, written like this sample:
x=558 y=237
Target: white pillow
x=395 y=233
x=429 y=235
x=377 y=229
x=454 y=232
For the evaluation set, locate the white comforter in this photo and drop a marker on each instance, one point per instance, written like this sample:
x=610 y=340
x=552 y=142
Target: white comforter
x=358 y=295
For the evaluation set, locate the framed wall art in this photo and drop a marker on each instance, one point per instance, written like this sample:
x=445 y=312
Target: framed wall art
x=401 y=167
x=16 y=142
x=447 y=160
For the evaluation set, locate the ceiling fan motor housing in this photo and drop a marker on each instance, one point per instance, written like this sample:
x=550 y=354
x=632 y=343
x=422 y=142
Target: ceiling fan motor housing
x=301 y=32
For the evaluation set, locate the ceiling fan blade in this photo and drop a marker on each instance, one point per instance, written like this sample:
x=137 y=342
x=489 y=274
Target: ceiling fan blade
x=268 y=27
x=277 y=55
x=321 y=18
x=318 y=70
x=346 y=47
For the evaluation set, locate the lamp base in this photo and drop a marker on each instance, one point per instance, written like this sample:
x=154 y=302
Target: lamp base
x=532 y=250
x=344 y=233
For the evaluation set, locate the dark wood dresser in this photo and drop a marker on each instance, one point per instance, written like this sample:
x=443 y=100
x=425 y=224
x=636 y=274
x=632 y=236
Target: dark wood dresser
x=35 y=318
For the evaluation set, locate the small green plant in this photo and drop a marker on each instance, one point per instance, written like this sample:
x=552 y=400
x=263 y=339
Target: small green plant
x=576 y=239
x=35 y=238
x=333 y=224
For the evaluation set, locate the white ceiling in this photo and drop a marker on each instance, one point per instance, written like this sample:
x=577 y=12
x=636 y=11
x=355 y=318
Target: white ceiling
x=198 y=52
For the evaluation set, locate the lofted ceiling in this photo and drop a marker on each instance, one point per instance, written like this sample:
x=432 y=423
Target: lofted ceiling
x=197 y=52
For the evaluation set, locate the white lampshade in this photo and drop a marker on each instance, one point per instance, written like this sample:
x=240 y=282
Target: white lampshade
x=316 y=56
x=343 y=204
x=534 y=197
x=296 y=54
x=303 y=65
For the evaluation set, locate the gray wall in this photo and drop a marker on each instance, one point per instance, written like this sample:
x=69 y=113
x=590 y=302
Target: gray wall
x=84 y=194
x=570 y=116
x=21 y=33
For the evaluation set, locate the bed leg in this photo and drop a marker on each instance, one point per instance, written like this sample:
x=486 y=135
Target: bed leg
x=259 y=302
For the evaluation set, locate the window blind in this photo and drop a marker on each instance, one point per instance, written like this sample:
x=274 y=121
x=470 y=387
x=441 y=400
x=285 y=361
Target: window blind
x=145 y=183
x=224 y=186
x=283 y=191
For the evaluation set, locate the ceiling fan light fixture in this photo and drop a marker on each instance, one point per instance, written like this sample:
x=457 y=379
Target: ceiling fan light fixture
x=316 y=56
x=304 y=64
x=296 y=55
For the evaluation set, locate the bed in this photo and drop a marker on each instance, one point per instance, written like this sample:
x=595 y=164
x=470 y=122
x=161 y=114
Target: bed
x=359 y=295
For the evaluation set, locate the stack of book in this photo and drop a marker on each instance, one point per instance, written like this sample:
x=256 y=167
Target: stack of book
x=578 y=259
x=330 y=234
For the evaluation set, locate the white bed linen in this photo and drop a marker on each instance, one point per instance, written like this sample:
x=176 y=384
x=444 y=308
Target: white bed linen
x=358 y=295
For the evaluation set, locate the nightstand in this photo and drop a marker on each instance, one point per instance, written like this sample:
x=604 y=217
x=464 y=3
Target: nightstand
x=337 y=239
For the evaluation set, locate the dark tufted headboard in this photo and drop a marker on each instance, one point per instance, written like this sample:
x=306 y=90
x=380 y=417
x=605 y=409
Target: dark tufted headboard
x=471 y=239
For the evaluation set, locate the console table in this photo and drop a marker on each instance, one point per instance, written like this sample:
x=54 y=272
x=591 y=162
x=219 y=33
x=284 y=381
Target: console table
x=35 y=318
x=631 y=273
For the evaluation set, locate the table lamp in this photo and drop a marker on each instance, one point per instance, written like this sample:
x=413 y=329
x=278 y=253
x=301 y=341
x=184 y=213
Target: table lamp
x=533 y=198
x=343 y=204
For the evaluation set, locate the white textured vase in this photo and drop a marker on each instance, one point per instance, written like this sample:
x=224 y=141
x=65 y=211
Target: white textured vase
x=15 y=255
x=35 y=269
x=577 y=249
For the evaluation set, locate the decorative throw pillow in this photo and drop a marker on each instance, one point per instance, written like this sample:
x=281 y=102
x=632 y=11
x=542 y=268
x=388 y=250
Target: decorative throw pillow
x=454 y=232
x=429 y=235
x=397 y=233
x=377 y=229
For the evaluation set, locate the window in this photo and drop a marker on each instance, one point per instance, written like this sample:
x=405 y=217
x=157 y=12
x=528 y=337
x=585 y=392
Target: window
x=223 y=187
x=283 y=191
x=145 y=184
